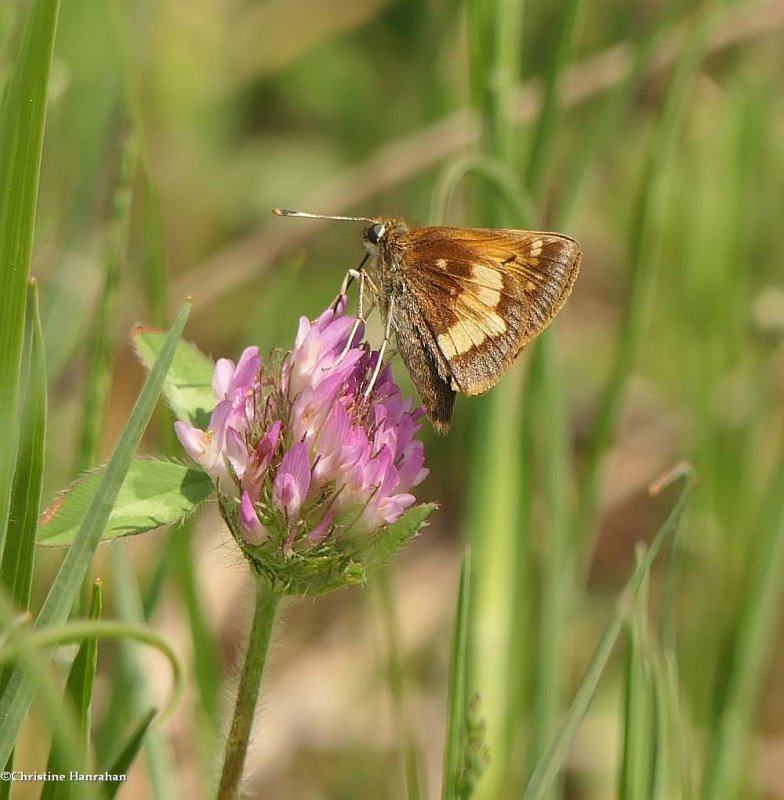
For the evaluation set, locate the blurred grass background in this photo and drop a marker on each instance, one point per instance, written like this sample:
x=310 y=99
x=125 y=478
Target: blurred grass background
x=651 y=132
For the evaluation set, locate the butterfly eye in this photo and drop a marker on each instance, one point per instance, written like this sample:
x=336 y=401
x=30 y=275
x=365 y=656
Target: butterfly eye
x=375 y=232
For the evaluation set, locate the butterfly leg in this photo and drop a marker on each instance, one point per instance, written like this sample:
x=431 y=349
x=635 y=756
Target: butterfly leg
x=348 y=279
x=360 y=275
x=382 y=350
x=374 y=288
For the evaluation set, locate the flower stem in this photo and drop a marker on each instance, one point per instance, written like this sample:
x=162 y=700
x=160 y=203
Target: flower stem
x=248 y=690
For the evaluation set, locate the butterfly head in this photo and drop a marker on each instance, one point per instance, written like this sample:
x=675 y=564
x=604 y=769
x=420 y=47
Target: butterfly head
x=382 y=234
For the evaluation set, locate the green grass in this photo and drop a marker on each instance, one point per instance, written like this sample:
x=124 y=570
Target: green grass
x=22 y=114
x=599 y=671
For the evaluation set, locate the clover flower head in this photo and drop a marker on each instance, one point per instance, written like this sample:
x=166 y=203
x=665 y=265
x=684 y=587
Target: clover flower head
x=307 y=460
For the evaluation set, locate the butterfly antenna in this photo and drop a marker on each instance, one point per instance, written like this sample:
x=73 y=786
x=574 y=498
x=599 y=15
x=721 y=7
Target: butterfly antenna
x=287 y=212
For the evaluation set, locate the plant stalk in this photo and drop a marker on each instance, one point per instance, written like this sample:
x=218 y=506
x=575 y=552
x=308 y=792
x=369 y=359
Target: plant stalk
x=248 y=690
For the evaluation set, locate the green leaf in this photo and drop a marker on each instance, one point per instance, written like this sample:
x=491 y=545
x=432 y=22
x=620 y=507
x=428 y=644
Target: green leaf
x=18 y=695
x=153 y=494
x=122 y=764
x=188 y=386
x=22 y=115
x=79 y=690
x=393 y=536
x=16 y=572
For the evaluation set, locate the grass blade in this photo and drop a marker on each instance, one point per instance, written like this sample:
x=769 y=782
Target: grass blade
x=178 y=557
x=206 y=653
x=639 y=256
x=16 y=572
x=637 y=760
x=19 y=645
x=155 y=274
x=552 y=452
x=29 y=648
x=19 y=693
x=758 y=621
x=82 y=675
x=101 y=333
x=18 y=557
x=78 y=690
x=544 y=134
x=22 y=115
x=122 y=764
x=456 y=702
x=396 y=679
x=131 y=687
x=548 y=768
x=500 y=549
x=500 y=557
x=549 y=417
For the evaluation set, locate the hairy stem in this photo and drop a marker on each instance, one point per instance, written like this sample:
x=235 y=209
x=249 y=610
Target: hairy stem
x=248 y=690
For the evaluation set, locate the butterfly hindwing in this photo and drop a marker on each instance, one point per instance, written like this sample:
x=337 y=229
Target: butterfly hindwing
x=426 y=365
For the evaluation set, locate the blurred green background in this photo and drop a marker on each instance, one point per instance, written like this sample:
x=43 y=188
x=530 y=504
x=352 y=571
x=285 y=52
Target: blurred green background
x=653 y=132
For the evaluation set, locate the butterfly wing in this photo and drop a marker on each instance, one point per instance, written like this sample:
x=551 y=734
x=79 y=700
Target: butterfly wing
x=486 y=293
x=428 y=369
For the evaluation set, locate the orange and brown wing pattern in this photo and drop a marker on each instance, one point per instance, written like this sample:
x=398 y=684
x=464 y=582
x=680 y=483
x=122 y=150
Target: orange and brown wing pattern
x=486 y=293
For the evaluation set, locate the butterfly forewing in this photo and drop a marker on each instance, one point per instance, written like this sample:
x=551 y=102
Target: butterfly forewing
x=486 y=293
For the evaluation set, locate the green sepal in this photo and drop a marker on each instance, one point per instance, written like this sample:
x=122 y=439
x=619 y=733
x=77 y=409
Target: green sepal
x=340 y=560
x=392 y=537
